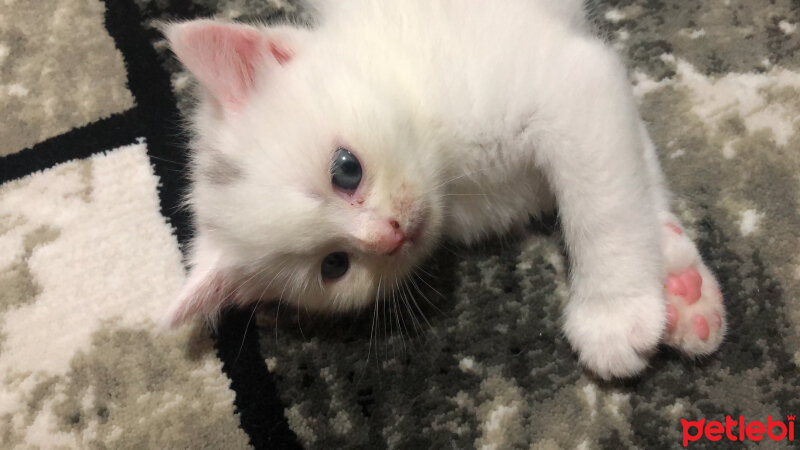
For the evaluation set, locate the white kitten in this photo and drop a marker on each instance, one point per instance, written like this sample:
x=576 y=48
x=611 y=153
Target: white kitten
x=328 y=162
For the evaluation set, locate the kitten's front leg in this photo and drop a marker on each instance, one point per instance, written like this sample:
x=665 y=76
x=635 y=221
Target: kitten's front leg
x=615 y=316
x=593 y=157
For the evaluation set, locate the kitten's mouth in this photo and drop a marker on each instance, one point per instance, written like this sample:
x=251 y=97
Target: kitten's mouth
x=411 y=238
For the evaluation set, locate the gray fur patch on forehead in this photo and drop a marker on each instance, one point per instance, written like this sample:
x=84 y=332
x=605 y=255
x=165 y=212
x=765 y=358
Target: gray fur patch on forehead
x=220 y=170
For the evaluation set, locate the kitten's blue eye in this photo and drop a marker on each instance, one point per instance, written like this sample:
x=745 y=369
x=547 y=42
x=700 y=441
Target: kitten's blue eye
x=345 y=170
x=335 y=265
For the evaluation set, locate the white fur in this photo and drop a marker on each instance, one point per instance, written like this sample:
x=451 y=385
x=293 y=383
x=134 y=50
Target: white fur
x=469 y=115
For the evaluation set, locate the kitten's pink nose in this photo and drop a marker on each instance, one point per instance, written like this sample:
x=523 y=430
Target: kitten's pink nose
x=389 y=237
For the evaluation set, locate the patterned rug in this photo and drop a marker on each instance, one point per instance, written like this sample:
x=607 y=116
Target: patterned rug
x=92 y=166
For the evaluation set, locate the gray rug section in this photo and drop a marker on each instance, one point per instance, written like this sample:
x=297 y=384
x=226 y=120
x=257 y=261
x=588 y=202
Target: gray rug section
x=47 y=84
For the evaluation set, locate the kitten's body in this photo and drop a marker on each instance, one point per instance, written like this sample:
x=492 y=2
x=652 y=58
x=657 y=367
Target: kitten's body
x=467 y=117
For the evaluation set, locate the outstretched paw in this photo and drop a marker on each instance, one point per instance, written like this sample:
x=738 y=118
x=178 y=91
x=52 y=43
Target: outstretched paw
x=695 y=312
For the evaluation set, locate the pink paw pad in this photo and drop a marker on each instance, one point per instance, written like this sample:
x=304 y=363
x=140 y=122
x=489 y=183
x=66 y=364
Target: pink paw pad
x=700 y=325
x=675 y=229
x=686 y=284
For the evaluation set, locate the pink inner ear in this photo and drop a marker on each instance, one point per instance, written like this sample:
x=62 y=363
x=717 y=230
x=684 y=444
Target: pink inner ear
x=224 y=57
x=282 y=55
x=204 y=295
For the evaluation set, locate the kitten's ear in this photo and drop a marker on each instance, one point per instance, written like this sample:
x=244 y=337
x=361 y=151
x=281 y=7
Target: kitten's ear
x=208 y=289
x=224 y=57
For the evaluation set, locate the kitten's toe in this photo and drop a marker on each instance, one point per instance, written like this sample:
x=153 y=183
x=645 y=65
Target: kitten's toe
x=615 y=340
x=614 y=360
x=695 y=314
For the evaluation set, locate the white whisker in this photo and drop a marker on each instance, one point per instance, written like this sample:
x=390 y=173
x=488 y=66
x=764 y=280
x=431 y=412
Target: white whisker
x=425 y=297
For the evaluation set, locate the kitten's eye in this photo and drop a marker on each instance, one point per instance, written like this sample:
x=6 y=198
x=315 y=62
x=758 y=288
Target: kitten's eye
x=335 y=265
x=345 y=170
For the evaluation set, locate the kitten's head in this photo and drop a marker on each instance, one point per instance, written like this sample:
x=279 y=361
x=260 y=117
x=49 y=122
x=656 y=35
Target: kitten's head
x=313 y=179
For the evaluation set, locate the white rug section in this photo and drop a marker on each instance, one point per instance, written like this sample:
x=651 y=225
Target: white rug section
x=109 y=257
x=115 y=257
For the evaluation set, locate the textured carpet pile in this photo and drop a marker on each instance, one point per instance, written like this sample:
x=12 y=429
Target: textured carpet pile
x=92 y=166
